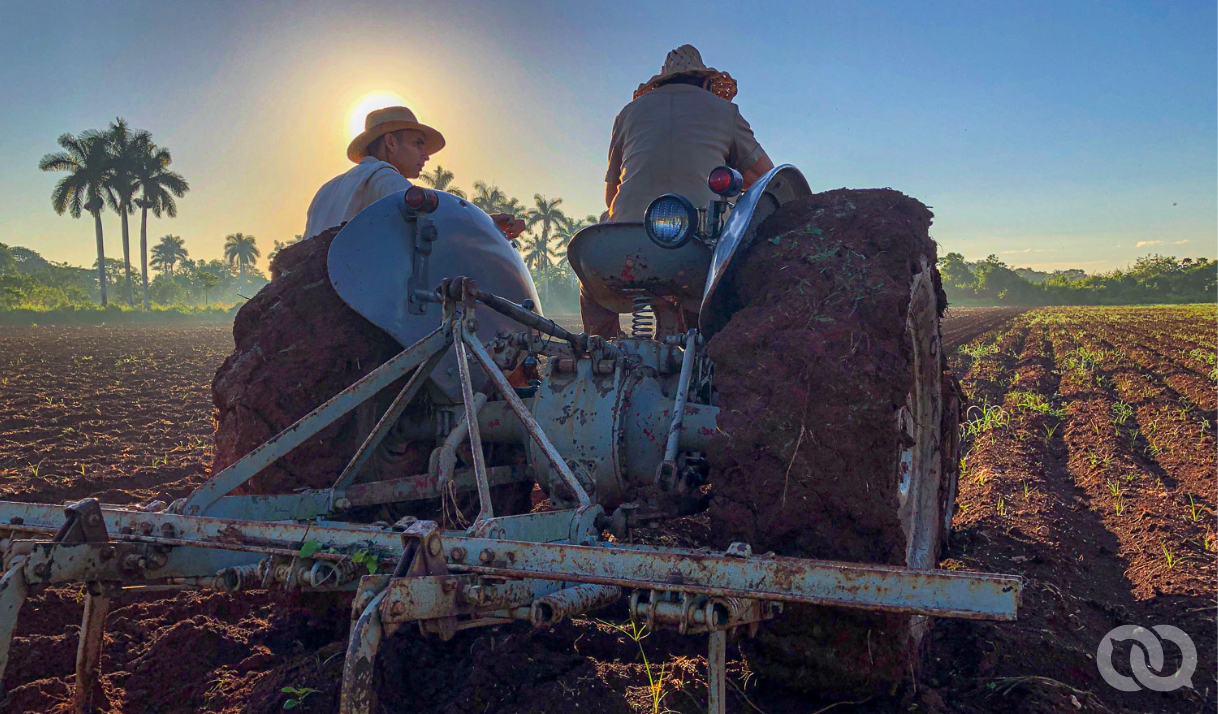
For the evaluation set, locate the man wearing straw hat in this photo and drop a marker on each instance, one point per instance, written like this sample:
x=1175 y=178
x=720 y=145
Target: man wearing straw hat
x=680 y=125
x=392 y=150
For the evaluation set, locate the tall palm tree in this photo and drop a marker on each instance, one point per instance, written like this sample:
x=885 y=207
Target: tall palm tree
x=568 y=227
x=538 y=253
x=125 y=149
x=168 y=253
x=87 y=186
x=441 y=179
x=489 y=198
x=158 y=185
x=241 y=250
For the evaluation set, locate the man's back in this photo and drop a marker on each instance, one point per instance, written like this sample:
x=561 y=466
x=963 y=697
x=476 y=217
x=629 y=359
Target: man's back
x=668 y=140
x=345 y=195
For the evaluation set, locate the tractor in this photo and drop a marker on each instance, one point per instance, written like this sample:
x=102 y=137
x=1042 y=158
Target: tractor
x=499 y=467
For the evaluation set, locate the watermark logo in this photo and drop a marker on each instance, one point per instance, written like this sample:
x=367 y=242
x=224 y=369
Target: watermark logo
x=1151 y=649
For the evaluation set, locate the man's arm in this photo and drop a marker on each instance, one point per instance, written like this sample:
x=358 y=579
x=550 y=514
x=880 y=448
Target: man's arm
x=610 y=193
x=757 y=170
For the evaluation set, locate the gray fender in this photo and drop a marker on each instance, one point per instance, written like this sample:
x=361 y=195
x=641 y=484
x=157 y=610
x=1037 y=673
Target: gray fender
x=780 y=185
x=371 y=259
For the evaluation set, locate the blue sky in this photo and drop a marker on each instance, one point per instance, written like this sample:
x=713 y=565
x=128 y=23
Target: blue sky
x=1053 y=134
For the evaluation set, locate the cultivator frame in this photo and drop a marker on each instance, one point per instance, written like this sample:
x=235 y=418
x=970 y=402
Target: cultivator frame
x=537 y=567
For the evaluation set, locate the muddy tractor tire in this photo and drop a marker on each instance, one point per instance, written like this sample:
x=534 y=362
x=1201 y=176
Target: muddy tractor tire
x=297 y=344
x=832 y=422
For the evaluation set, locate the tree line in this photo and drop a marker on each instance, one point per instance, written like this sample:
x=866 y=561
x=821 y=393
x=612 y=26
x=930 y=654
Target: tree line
x=1151 y=279
x=124 y=169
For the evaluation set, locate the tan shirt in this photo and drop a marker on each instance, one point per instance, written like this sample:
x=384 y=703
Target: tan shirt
x=668 y=140
x=345 y=195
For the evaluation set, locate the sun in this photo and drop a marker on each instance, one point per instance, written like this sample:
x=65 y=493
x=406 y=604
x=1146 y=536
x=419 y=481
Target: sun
x=368 y=103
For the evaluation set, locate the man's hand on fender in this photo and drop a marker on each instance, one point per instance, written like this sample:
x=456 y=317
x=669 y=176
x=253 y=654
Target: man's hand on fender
x=509 y=224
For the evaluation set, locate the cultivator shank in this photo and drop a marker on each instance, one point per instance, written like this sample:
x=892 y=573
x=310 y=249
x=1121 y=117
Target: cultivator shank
x=583 y=432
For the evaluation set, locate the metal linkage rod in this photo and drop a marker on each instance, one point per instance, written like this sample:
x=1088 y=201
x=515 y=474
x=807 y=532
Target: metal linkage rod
x=386 y=423
x=509 y=309
x=485 y=509
x=530 y=424
x=323 y=416
x=678 y=408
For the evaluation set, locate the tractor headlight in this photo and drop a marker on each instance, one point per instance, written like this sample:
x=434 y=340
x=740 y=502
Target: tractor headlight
x=670 y=221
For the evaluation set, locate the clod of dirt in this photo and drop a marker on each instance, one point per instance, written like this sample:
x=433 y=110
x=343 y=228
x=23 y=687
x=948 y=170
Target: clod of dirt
x=811 y=370
x=297 y=345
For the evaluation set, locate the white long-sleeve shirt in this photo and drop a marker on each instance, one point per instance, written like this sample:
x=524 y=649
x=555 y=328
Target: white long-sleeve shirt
x=345 y=195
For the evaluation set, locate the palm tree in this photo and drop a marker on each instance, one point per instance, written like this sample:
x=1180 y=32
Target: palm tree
x=241 y=250
x=125 y=150
x=168 y=253
x=538 y=254
x=441 y=179
x=279 y=246
x=158 y=185
x=87 y=187
x=567 y=229
x=489 y=198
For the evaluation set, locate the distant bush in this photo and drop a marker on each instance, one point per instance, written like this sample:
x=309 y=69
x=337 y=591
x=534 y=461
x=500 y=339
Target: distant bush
x=1153 y=279
x=92 y=314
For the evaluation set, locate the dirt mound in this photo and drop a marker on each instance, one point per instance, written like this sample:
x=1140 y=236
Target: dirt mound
x=297 y=345
x=811 y=370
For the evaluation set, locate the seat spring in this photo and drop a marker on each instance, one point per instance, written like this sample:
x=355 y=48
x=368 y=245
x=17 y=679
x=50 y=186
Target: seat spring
x=643 y=319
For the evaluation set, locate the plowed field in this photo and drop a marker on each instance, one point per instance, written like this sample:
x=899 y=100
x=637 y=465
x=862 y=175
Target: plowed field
x=1091 y=473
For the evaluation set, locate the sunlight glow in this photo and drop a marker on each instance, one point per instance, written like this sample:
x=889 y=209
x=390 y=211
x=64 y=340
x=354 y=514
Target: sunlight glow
x=370 y=102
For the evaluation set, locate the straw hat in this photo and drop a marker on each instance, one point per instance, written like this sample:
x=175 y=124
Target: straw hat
x=383 y=121
x=687 y=60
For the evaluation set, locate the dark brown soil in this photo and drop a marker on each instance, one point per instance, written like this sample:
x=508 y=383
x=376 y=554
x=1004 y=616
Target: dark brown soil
x=811 y=369
x=1087 y=568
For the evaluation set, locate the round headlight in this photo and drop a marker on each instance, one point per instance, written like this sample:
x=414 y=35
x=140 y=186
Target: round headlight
x=670 y=220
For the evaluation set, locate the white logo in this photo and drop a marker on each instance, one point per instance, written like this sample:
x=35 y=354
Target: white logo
x=1150 y=648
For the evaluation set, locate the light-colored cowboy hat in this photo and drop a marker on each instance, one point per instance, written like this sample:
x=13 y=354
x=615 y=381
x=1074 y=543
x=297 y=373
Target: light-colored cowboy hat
x=687 y=60
x=383 y=121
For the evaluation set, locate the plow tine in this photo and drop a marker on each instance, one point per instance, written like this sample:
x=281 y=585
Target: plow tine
x=357 y=696
x=13 y=589
x=88 y=653
x=387 y=422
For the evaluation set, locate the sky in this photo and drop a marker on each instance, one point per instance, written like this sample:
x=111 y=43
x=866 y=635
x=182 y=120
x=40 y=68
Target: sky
x=1052 y=134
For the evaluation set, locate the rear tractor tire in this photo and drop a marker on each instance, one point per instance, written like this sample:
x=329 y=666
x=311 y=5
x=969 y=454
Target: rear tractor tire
x=832 y=413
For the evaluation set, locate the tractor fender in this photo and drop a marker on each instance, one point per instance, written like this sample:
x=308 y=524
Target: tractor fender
x=371 y=262
x=781 y=184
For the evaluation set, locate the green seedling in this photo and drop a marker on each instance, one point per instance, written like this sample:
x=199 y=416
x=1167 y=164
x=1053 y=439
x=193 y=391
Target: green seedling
x=1001 y=508
x=1026 y=492
x=1121 y=412
x=1167 y=555
x=299 y=694
x=980 y=350
x=309 y=548
x=368 y=560
x=1194 y=513
x=637 y=634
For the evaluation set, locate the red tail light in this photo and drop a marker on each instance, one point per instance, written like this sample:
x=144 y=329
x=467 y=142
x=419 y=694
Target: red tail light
x=725 y=181
x=421 y=200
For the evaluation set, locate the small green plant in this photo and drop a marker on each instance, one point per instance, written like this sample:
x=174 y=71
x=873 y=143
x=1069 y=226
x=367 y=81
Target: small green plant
x=984 y=418
x=368 y=560
x=655 y=682
x=298 y=696
x=1167 y=555
x=1026 y=491
x=1121 y=412
x=36 y=468
x=1036 y=403
x=1001 y=508
x=1194 y=513
x=1118 y=496
x=980 y=350
x=1049 y=431
x=309 y=548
